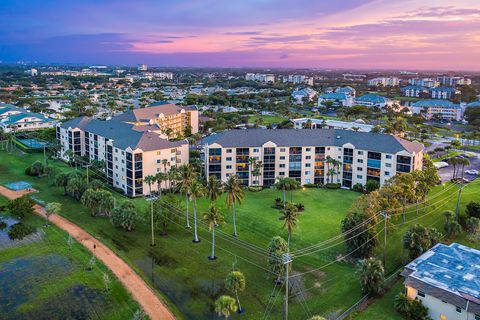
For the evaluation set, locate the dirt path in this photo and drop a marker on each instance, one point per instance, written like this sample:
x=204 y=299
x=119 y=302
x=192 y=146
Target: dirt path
x=140 y=291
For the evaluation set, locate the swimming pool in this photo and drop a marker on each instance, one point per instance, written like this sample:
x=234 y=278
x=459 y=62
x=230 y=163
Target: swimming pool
x=19 y=185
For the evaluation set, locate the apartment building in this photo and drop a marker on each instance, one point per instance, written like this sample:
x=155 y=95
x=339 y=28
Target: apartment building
x=312 y=123
x=384 y=81
x=443 y=93
x=372 y=100
x=130 y=151
x=298 y=79
x=440 y=109
x=341 y=98
x=300 y=94
x=304 y=155
x=414 y=91
x=424 y=82
x=166 y=118
x=453 y=81
x=446 y=280
x=13 y=118
x=261 y=77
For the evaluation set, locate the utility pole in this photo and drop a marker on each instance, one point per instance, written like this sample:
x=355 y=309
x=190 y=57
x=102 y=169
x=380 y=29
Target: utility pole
x=151 y=217
x=44 y=155
x=385 y=218
x=287 y=259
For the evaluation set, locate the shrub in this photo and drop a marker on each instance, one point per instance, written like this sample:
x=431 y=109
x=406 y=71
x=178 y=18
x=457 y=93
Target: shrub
x=358 y=187
x=21 y=207
x=125 y=216
x=255 y=188
x=300 y=206
x=372 y=185
x=311 y=185
x=278 y=203
x=333 y=185
x=19 y=231
x=36 y=169
x=409 y=308
x=473 y=209
x=3 y=225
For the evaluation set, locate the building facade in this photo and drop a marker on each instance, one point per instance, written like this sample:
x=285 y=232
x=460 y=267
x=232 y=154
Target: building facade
x=440 y=109
x=372 y=100
x=414 y=91
x=446 y=280
x=443 y=93
x=13 y=119
x=384 y=81
x=306 y=155
x=130 y=152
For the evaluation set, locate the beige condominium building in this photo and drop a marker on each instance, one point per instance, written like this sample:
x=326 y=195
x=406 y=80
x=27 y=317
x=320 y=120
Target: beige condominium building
x=306 y=155
x=131 y=150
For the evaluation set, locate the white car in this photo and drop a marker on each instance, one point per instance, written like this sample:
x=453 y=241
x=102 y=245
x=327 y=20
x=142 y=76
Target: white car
x=472 y=172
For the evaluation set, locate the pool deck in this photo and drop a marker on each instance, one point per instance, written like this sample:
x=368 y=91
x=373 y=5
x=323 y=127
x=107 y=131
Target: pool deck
x=137 y=287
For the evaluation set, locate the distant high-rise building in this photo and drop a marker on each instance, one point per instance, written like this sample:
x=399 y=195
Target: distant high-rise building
x=142 y=67
x=454 y=81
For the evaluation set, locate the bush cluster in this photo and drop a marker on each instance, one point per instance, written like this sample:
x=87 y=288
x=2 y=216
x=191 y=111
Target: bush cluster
x=19 y=231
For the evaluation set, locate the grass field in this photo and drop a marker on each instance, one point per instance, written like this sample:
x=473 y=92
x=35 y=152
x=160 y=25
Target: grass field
x=181 y=272
x=48 y=280
x=266 y=119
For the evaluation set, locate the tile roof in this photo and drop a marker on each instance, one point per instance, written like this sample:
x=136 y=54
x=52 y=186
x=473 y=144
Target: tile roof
x=447 y=89
x=315 y=137
x=436 y=103
x=413 y=87
x=370 y=97
x=334 y=95
x=152 y=111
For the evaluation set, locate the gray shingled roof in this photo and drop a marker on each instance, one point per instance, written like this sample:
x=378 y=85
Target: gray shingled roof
x=150 y=112
x=79 y=123
x=315 y=137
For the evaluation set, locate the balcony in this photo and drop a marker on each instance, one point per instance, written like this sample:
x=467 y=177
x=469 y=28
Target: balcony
x=372 y=163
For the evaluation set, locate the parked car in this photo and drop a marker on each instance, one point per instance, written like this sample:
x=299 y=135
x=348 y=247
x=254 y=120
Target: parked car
x=472 y=172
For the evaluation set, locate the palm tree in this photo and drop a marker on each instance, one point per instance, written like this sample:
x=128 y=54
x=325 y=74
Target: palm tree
x=401 y=303
x=214 y=188
x=225 y=306
x=160 y=177
x=464 y=162
x=195 y=190
x=186 y=176
x=453 y=162
x=287 y=184
x=251 y=162
x=235 y=283
x=51 y=208
x=290 y=216
x=234 y=195
x=257 y=171
x=372 y=276
x=149 y=180
x=213 y=218
x=172 y=177
x=61 y=180
x=164 y=163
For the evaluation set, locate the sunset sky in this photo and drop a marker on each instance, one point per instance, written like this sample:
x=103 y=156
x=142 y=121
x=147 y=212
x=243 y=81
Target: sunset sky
x=413 y=34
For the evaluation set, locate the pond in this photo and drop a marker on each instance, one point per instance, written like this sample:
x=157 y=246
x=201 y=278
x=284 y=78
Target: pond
x=22 y=280
x=4 y=238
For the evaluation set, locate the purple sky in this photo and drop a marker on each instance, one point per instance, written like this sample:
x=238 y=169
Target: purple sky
x=406 y=34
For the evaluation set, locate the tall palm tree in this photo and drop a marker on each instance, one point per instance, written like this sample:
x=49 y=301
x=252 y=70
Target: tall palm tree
x=234 y=195
x=149 y=180
x=464 y=162
x=160 y=177
x=235 y=283
x=287 y=184
x=172 y=177
x=213 y=218
x=195 y=190
x=257 y=171
x=251 y=162
x=186 y=175
x=164 y=163
x=225 y=306
x=290 y=217
x=214 y=188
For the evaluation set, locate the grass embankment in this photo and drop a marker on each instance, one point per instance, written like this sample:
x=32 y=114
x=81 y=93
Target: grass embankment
x=181 y=272
x=48 y=279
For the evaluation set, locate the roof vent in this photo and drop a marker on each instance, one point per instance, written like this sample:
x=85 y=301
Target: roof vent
x=338 y=137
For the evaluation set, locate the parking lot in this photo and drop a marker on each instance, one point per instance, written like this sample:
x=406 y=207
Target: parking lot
x=447 y=172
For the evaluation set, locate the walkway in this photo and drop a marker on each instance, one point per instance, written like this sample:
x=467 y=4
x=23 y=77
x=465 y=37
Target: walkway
x=139 y=290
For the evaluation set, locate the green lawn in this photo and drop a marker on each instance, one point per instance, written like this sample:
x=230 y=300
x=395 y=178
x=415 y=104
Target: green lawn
x=181 y=272
x=48 y=280
x=266 y=119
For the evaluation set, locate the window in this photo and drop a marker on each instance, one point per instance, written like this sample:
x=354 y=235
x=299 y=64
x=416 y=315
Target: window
x=458 y=309
x=421 y=294
x=282 y=165
x=307 y=173
x=360 y=160
x=282 y=157
x=388 y=165
x=229 y=167
x=388 y=156
x=158 y=161
x=308 y=149
x=359 y=176
x=256 y=150
x=282 y=149
x=229 y=150
x=477 y=317
x=281 y=173
x=229 y=158
x=158 y=153
x=308 y=165
x=360 y=152
x=308 y=157
x=359 y=169
x=387 y=173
